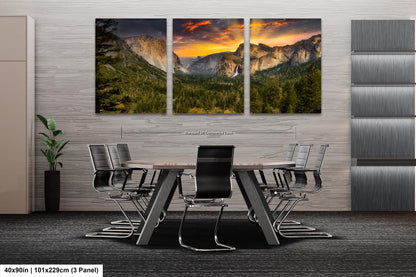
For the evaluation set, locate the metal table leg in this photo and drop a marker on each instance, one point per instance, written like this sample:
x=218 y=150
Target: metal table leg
x=166 y=183
x=254 y=197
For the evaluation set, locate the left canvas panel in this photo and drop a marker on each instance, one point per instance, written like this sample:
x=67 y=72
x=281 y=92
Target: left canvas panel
x=130 y=65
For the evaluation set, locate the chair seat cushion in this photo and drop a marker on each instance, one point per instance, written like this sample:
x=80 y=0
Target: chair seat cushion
x=291 y=197
x=149 y=187
x=191 y=201
x=278 y=190
x=267 y=187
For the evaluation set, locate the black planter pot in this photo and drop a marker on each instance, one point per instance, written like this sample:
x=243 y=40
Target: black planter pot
x=52 y=190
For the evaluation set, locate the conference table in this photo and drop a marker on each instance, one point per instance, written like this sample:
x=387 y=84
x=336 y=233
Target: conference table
x=244 y=171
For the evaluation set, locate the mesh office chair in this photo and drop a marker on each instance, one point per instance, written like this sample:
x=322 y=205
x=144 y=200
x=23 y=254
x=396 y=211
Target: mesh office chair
x=119 y=153
x=113 y=182
x=289 y=157
x=297 y=194
x=114 y=153
x=285 y=176
x=124 y=154
x=213 y=184
x=265 y=186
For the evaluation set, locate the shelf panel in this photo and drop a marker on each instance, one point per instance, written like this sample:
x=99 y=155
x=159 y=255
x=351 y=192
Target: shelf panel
x=383 y=188
x=383 y=101
x=383 y=137
x=382 y=35
x=383 y=69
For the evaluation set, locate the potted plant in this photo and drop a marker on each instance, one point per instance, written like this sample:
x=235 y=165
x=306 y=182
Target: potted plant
x=52 y=152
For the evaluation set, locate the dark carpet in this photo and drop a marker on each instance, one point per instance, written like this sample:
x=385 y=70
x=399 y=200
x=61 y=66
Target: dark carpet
x=371 y=244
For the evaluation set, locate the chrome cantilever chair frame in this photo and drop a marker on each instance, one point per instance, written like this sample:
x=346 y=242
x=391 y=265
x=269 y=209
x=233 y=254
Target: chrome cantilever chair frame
x=289 y=156
x=265 y=186
x=207 y=192
x=116 y=160
x=115 y=190
x=292 y=199
x=285 y=176
x=270 y=191
x=119 y=153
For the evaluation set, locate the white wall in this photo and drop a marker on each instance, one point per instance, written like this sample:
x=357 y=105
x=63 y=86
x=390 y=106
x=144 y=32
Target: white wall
x=65 y=90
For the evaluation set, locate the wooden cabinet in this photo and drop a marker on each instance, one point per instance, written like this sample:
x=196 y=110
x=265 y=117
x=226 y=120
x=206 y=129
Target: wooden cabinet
x=17 y=108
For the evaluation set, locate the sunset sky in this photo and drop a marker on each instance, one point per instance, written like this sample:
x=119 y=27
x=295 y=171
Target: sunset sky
x=201 y=37
x=281 y=32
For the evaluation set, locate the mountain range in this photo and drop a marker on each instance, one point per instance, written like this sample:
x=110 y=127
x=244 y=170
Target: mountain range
x=262 y=57
x=153 y=50
x=125 y=81
x=229 y=64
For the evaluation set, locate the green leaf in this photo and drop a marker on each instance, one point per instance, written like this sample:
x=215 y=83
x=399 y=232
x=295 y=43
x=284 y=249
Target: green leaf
x=59 y=143
x=51 y=124
x=58 y=133
x=62 y=146
x=46 y=137
x=47 y=144
x=43 y=152
x=50 y=156
x=43 y=120
x=53 y=143
x=60 y=164
x=58 y=155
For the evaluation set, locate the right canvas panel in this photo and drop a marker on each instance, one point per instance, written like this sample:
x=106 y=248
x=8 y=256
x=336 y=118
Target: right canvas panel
x=285 y=65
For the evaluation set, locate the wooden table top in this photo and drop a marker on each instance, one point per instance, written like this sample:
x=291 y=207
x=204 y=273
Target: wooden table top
x=249 y=163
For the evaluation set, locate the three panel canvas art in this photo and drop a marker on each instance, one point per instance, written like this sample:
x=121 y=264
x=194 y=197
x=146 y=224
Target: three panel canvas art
x=208 y=66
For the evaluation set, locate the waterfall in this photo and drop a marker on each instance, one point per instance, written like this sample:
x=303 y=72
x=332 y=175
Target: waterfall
x=236 y=71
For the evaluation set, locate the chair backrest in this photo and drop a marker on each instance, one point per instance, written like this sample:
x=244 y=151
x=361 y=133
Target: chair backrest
x=124 y=155
x=115 y=160
x=213 y=171
x=303 y=155
x=99 y=157
x=114 y=156
x=123 y=152
x=290 y=151
x=301 y=182
x=98 y=153
x=321 y=155
x=301 y=178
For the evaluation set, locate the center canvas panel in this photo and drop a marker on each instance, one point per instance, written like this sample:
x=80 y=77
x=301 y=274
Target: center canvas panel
x=208 y=61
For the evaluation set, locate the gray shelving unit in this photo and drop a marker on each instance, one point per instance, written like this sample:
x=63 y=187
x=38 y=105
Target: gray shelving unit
x=383 y=115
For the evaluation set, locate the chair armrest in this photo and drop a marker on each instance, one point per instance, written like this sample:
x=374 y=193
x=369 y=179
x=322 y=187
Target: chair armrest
x=116 y=170
x=282 y=168
x=294 y=169
x=190 y=174
x=131 y=168
x=109 y=170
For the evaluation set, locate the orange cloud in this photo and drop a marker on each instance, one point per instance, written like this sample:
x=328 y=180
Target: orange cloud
x=203 y=49
x=281 y=32
x=217 y=36
x=260 y=24
x=190 y=26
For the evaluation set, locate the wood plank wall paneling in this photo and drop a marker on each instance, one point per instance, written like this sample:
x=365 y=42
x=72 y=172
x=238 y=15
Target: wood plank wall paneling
x=65 y=90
